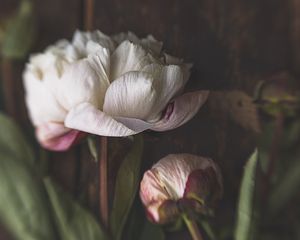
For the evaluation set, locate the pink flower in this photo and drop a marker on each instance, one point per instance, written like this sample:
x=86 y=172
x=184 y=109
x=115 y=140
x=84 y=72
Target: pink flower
x=180 y=182
x=109 y=86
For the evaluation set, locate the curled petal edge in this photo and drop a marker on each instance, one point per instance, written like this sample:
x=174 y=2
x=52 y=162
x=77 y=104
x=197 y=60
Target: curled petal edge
x=55 y=137
x=181 y=110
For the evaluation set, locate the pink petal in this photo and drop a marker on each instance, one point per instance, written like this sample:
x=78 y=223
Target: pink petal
x=153 y=195
x=55 y=137
x=181 y=110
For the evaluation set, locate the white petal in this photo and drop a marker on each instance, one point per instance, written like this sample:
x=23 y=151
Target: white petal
x=130 y=36
x=185 y=107
x=152 y=188
x=153 y=193
x=100 y=62
x=81 y=39
x=152 y=44
x=149 y=43
x=104 y=40
x=168 y=80
x=41 y=103
x=186 y=67
x=131 y=96
x=135 y=124
x=128 y=57
x=85 y=117
x=81 y=83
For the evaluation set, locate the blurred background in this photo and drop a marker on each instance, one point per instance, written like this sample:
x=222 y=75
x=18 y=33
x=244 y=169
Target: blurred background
x=233 y=44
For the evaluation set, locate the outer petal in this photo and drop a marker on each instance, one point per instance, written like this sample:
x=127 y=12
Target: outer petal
x=83 y=81
x=54 y=136
x=152 y=44
x=153 y=194
x=149 y=43
x=128 y=57
x=186 y=67
x=131 y=96
x=81 y=39
x=168 y=81
x=173 y=172
x=41 y=103
x=85 y=117
x=181 y=110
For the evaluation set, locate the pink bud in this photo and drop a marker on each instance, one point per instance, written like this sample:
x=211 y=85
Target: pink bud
x=180 y=183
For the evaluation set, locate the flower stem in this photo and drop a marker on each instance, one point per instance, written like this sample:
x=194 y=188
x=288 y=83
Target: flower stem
x=103 y=182
x=89 y=15
x=193 y=228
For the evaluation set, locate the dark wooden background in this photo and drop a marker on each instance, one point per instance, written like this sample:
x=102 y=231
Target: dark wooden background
x=232 y=43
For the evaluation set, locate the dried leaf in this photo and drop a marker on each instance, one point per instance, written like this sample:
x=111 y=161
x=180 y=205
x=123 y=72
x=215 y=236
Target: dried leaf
x=238 y=106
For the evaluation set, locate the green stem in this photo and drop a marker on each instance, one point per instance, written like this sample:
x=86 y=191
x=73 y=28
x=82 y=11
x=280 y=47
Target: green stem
x=193 y=228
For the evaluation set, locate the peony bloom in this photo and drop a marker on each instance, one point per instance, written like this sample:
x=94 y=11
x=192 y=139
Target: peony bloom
x=108 y=86
x=177 y=183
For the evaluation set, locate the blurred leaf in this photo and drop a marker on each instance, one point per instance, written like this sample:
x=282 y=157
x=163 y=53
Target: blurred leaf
x=208 y=229
x=151 y=231
x=72 y=221
x=238 y=106
x=287 y=187
x=23 y=203
x=245 y=221
x=127 y=183
x=19 y=32
x=135 y=222
x=12 y=138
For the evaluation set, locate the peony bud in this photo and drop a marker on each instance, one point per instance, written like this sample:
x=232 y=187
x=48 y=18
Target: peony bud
x=109 y=86
x=180 y=183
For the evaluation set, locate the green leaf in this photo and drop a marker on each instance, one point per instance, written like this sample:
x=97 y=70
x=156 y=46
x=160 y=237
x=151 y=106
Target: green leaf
x=208 y=229
x=287 y=187
x=72 y=221
x=151 y=231
x=19 y=34
x=14 y=141
x=23 y=202
x=245 y=221
x=127 y=183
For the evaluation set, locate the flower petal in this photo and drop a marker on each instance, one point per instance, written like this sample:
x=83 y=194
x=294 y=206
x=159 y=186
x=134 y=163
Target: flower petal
x=168 y=81
x=152 y=44
x=149 y=43
x=83 y=81
x=153 y=194
x=135 y=124
x=85 y=117
x=41 y=103
x=128 y=57
x=56 y=137
x=130 y=96
x=181 y=110
x=81 y=39
x=173 y=172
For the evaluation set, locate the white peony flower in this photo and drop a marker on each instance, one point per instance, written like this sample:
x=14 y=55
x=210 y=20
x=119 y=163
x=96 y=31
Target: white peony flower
x=180 y=182
x=106 y=86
